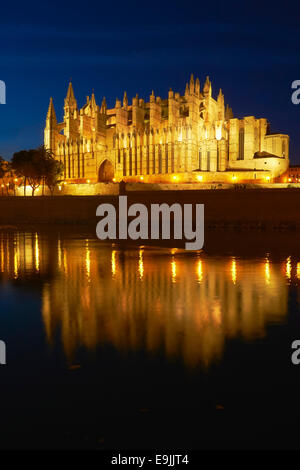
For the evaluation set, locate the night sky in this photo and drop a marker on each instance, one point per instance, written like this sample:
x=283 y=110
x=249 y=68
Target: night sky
x=249 y=49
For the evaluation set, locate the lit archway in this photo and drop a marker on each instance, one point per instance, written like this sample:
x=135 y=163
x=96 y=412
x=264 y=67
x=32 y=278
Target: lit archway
x=106 y=172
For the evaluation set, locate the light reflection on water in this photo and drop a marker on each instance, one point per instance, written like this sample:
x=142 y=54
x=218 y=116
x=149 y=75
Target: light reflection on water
x=186 y=305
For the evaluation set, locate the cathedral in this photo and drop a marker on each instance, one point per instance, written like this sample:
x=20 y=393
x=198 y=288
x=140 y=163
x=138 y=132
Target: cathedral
x=182 y=138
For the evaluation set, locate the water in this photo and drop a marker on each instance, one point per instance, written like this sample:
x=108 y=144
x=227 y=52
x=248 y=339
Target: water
x=134 y=346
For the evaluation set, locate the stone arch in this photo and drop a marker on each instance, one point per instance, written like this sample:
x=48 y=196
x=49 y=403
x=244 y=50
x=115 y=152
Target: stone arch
x=106 y=171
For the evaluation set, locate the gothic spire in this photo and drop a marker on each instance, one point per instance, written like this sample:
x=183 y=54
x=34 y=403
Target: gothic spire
x=207 y=87
x=125 y=100
x=192 y=84
x=70 y=100
x=103 y=106
x=93 y=101
x=51 y=116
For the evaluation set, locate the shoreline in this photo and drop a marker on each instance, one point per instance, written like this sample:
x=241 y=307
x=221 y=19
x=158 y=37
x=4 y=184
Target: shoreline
x=266 y=209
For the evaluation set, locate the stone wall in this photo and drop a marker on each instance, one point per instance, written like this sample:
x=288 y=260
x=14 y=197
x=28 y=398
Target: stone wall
x=253 y=208
x=75 y=190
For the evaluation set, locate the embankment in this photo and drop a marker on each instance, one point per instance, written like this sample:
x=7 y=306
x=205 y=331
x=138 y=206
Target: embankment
x=247 y=209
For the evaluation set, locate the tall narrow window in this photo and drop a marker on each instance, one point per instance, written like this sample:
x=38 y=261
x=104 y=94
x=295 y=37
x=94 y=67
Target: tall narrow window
x=283 y=148
x=78 y=160
x=159 y=160
x=130 y=161
x=208 y=160
x=124 y=163
x=256 y=143
x=69 y=165
x=136 y=161
x=241 y=144
x=65 y=166
x=172 y=159
x=167 y=157
x=141 y=160
x=148 y=161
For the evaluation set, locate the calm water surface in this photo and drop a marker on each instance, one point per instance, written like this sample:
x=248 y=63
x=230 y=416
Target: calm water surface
x=120 y=347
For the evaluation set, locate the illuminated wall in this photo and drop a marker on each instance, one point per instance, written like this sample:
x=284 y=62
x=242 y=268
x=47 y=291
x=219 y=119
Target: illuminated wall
x=161 y=138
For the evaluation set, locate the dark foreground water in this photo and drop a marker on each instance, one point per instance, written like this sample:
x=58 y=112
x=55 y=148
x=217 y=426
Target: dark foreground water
x=133 y=347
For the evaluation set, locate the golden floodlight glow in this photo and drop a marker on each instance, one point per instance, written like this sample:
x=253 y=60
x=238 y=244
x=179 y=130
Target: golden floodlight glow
x=234 y=178
x=87 y=260
x=200 y=178
x=37 y=253
x=233 y=270
x=175 y=178
x=141 y=264
x=267 y=271
x=173 y=270
x=288 y=268
x=114 y=180
x=218 y=133
x=268 y=178
x=141 y=178
x=113 y=263
x=88 y=181
x=199 y=271
x=298 y=270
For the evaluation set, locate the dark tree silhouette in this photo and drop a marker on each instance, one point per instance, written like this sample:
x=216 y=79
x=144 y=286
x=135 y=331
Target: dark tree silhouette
x=37 y=166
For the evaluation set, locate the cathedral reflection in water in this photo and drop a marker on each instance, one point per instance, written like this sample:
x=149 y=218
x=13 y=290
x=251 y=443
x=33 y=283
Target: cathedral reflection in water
x=160 y=300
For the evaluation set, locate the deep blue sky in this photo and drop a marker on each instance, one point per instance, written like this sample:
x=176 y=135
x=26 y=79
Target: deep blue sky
x=249 y=49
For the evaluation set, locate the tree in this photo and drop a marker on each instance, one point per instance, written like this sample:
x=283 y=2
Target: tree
x=51 y=169
x=55 y=171
x=22 y=165
x=37 y=166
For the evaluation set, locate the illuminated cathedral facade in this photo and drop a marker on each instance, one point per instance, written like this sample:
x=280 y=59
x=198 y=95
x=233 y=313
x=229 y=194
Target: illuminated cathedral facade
x=183 y=138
